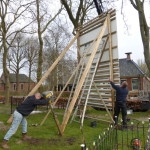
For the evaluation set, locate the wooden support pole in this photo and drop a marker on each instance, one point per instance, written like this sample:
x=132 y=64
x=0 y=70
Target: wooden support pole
x=53 y=66
x=110 y=58
x=92 y=79
x=81 y=60
x=103 y=102
x=79 y=86
x=56 y=121
x=78 y=49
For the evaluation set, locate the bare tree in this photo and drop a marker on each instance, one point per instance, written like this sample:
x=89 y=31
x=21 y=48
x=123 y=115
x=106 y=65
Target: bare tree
x=32 y=49
x=143 y=66
x=79 y=13
x=10 y=13
x=43 y=21
x=55 y=41
x=144 y=29
x=16 y=57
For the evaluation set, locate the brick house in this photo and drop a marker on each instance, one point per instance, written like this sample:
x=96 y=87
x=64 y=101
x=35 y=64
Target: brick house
x=23 y=83
x=135 y=77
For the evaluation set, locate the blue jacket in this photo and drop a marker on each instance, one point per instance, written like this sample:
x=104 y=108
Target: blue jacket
x=29 y=104
x=121 y=93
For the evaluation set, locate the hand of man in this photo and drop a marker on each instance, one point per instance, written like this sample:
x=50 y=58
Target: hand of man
x=110 y=80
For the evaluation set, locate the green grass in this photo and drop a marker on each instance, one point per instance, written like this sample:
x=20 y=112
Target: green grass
x=46 y=137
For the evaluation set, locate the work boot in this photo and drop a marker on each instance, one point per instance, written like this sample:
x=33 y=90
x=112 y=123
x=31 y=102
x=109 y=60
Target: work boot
x=25 y=137
x=4 y=144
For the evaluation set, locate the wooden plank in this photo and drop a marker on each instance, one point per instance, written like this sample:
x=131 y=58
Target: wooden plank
x=106 y=75
x=99 y=24
x=52 y=66
x=78 y=48
x=100 y=17
x=103 y=15
x=102 y=94
x=77 y=68
x=101 y=97
x=92 y=78
x=100 y=90
x=98 y=119
x=111 y=58
x=114 y=47
x=96 y=99
x=104 y=36
x=79 y=86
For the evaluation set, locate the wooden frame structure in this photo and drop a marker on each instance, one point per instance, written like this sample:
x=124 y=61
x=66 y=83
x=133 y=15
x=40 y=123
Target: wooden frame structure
x=98 y=62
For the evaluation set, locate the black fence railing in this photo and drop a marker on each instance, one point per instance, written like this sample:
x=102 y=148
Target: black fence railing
x=136 y=136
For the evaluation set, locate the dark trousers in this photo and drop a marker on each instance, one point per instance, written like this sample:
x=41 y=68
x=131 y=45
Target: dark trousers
x=120 y=106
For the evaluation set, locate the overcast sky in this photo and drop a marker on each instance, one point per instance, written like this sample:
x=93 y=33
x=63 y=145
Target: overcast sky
x=130 y=40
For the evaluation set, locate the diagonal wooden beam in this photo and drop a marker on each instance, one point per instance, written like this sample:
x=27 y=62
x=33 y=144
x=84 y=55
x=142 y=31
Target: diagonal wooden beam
x=111 y=58
x=81 y=61
x=79 y=86
x=53 y=66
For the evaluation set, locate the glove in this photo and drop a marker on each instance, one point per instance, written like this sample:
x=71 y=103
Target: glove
x=51 y=99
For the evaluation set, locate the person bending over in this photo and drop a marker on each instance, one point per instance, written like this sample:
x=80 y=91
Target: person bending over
x=19 y=117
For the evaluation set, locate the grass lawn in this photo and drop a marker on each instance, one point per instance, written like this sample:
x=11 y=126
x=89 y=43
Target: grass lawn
x=46 y=137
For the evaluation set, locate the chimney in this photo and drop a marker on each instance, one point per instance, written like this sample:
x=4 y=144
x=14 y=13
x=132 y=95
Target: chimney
x=128 y=55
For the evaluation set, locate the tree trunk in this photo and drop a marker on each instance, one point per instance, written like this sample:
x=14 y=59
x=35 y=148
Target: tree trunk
x=29 y=81
x=5 y=70
x=6 y=75
x=144 y=29
x=40 y=58
x=17 y=81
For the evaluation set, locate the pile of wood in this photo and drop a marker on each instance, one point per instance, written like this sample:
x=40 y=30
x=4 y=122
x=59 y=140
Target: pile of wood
x=138 y=105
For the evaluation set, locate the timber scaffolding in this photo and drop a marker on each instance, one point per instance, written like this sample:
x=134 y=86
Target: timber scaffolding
x=97 y=49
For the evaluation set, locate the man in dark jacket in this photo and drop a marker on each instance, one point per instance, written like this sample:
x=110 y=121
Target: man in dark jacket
x=19 y=117
x=120 y=104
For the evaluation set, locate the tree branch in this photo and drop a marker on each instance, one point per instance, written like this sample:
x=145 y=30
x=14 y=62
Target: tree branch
x=51 y=20
x=64 y=2
x=133 y=4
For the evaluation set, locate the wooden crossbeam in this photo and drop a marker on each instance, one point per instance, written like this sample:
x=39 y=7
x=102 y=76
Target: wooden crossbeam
x=53 y=66
x=79 y=86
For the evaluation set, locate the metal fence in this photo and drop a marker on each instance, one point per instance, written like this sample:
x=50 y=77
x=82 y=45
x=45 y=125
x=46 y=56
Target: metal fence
x=136 y=136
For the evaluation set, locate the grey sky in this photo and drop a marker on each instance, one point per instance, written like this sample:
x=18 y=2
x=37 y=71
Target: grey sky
x=130 y=40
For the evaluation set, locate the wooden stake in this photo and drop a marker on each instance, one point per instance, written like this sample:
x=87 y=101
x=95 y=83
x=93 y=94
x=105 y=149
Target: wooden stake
x=79 y=86
x=53 y=66
x=56 y=121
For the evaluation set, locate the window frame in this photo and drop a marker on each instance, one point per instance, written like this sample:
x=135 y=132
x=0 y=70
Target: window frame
x=137 y=85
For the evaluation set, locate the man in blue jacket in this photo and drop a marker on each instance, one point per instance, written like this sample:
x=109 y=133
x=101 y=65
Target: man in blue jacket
x=120 y=104
x=19 y=117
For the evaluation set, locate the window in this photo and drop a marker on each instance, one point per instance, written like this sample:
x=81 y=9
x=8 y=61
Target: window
x=14 y=87
x=135 y=84
x=22 y=86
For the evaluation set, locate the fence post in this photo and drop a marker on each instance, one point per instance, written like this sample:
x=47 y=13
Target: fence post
x=148 y=137
x=83 y=147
